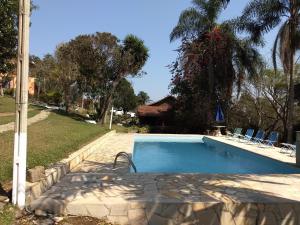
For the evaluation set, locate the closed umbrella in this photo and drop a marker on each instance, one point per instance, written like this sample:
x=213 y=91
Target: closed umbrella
x=219 y=114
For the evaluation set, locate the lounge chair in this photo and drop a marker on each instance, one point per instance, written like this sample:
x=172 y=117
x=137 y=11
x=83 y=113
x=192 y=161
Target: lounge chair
x=288 y=148
x=235 y=134
x=259 y=137
x=247 y=137
x=270 y=141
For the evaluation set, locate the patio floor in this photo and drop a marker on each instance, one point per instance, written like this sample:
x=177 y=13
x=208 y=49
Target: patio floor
x=96 y=189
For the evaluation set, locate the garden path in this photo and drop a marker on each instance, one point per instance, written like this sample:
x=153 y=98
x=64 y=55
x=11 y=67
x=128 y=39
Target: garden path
x=39 y=117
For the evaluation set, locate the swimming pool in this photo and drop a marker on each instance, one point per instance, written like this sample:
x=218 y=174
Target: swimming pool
x=198 y=154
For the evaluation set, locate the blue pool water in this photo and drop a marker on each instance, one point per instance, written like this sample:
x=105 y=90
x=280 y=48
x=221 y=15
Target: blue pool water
x=158 y=154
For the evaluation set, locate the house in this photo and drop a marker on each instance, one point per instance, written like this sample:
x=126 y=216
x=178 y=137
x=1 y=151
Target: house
x=160 y=113
x=12 y=84
x=31 y=84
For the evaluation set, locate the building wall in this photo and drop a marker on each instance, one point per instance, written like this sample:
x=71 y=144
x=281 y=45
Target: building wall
x=31 y=84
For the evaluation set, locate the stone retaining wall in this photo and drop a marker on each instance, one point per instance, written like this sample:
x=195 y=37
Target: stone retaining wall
x=143 y=213
x=59 y=170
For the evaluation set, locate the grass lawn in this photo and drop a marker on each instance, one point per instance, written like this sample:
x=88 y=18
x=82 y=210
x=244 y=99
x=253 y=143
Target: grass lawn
x=49 y=141
x=7 y=104
x=8 y=119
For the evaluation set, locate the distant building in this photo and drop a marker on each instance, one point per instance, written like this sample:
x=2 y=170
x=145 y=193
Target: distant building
x=160 y=113
x=12 y=84
x=31 y=84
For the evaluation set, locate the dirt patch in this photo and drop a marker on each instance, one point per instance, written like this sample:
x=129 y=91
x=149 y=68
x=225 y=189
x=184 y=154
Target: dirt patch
x=30 y=219
x=10 y=215
x=83 y=220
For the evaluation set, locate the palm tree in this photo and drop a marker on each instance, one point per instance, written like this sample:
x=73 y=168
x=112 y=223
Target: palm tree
x=261 y=16
x=199 y=22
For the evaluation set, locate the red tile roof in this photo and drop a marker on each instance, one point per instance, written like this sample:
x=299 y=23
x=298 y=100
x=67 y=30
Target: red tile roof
x=157 y=109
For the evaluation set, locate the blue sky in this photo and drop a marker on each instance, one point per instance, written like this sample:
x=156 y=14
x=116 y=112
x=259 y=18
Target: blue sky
x=58 y=21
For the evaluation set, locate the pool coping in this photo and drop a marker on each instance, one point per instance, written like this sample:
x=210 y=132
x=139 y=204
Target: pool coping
x=95 y=189
x=269 y=152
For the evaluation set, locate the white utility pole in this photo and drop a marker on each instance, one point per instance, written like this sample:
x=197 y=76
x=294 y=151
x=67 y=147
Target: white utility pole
x=20 y=143
x=111 y=117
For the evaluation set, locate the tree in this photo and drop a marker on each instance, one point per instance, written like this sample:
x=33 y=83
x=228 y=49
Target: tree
x=274 y=87
x=8 y=34
x=124 y=96
x=45 y=73
x=259 y=17
x=34 y=71
x=9 y=11
x=264 y=102
x=211 y=60
x=103 y=62
x=143 y=98
x=67 y=72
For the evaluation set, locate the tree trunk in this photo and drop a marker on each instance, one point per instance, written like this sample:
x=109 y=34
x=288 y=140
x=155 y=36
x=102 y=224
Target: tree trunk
x=291 y=106
x=107 y=102
x=291 y=84
x=285 y=131
x=44 y=84
x=39 y=90
x=67 y=98
x=105 y=114
x=210 y=84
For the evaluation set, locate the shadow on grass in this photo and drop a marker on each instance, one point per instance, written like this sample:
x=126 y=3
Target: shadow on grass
x=71 y=115
x=98 y=190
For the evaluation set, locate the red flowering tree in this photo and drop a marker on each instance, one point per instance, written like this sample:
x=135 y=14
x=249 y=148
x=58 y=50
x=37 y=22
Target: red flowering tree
x=211 y=62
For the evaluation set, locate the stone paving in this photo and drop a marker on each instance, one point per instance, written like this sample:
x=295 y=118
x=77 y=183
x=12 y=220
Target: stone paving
x=270 y=152
x=94 y=188
x=39 y=117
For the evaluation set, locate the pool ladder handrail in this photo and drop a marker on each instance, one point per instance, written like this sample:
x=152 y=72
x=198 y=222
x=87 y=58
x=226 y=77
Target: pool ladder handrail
x=126 y=155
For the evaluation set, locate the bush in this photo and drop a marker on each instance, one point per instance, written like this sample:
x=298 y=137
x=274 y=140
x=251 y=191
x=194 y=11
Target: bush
x=125 y=120
x=51 y=98
x=144 y=129
x=9 y=91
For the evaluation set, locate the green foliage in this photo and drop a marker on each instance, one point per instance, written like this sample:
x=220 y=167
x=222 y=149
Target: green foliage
x=93 y=66
x=124 y=96
x=212 y=62
x=9 y=10
x=143 y=98
x=262 y=104
x=45 y=72
x=144 y=129
x=125 y=120
x=260 y=17
x=136 y=54
x=8 y=34
x=197 y=20
x=52 y=98
x=67 y=73
x=9 y=91
x=103 y=62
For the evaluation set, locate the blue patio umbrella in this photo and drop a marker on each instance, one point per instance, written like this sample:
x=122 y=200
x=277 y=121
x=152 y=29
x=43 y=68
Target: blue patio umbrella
x=219 y=115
